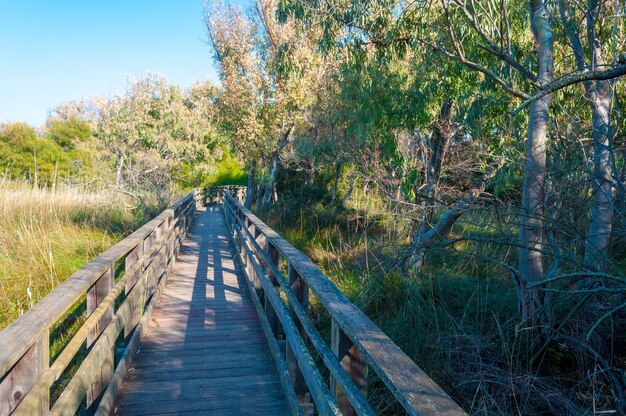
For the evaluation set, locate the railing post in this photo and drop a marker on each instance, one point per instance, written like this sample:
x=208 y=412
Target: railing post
x=272 y=317
x=301 y=290
x=101 y=379
x=353 y=361
x=20 y=379
x=149 y=268
x=134 y=314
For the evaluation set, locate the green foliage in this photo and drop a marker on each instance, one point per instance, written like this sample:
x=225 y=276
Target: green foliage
x=69 y=133
x=23 y=155
x=229 y=172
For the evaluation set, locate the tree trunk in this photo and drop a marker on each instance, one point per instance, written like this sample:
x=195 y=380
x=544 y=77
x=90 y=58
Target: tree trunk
x=438 y=232
x=599 y=95
x=349 y=193
x=532 y=301
x=119 y=162
x=269 y=187
x=336 y=183
x=437 y=147
x=599 y=231
x=251 y=190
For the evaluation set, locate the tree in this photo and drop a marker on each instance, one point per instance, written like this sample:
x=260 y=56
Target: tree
x=269 y=72
x=493 y=40
x=156 y=133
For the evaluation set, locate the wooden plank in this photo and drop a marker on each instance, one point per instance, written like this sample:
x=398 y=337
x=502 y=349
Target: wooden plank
x=411 y=386
x=301 y=291
x=319 y=391
x=353 y=363
x=104 y=369
x=272 y=406
x=110 y=395
x=277 y=356
x=215 y=343
x=134 y=272
x=274 y=257
x=204 y=384
x=328 y=357
x=215 y=395
x=23 y=376
x=18 y=337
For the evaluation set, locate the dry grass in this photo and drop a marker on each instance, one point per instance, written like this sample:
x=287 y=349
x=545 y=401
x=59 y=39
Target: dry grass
x=46 y=235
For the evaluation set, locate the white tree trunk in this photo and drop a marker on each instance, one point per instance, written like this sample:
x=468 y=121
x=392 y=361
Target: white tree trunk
x=532 y=300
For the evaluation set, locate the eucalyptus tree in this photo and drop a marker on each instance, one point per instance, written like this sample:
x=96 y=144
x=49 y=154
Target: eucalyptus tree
x=592 y=32
x=157 y=133
x=494 y=40
x=269 y=72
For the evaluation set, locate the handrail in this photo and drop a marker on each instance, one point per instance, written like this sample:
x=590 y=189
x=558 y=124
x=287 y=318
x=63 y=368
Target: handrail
x=215 y=194
x=114 y=304
x=356 y=342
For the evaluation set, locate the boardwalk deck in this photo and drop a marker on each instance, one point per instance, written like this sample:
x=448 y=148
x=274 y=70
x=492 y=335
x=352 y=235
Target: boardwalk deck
x=204 y=350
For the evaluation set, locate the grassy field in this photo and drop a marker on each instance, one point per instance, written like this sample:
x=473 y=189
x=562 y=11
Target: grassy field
x=46 y=235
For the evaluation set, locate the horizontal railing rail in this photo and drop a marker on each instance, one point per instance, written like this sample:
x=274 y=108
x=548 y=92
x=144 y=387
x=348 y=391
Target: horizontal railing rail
x=357 y=344
x=118 y=290
x=215 y=194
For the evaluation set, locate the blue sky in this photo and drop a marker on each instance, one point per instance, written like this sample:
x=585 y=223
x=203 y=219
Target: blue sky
x=55 y=51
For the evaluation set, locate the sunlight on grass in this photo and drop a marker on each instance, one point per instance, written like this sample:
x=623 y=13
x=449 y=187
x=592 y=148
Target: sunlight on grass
x=46 y=235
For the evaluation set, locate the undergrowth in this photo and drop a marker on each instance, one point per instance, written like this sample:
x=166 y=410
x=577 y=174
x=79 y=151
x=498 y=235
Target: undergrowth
x=457 y=319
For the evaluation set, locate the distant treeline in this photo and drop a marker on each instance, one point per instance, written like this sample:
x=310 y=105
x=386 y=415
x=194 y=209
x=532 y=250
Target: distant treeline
x=148 y=143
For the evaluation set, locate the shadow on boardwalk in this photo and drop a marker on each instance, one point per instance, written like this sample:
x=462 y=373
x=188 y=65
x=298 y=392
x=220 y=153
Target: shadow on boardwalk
x=204 y=350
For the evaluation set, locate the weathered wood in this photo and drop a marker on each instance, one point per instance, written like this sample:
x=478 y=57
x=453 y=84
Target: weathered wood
x=24 y=331
x=319 y=391
x=30 y=376
x=272 y=318
x=353 y=363
x=414 y=390
x=270 y=336
x=110 y=395
x=301 y=291
x=104 y=371
x=133 y=268
x=205 y=336
x=22 y=377
x=329 y=358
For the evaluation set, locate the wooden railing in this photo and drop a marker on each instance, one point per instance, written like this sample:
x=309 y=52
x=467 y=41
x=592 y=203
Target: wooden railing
x=356 y=345
x=215 y=194
x=110 y=299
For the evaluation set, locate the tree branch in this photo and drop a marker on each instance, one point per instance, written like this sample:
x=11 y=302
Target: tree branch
x=570 y=79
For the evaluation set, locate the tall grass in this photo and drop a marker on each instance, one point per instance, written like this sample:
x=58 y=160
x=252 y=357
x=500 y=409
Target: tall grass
x=457 y=319
x=47 y=234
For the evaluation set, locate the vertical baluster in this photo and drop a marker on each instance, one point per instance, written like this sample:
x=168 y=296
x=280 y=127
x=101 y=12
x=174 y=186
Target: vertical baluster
x=134 y=314
x=256 y=280
x=272 y=317
x=355 y=364
x=19 y=380
x=95 y=295
x=148 y=267
x=301 y=290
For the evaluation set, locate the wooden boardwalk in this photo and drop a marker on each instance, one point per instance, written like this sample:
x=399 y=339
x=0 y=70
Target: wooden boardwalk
x=204 y=351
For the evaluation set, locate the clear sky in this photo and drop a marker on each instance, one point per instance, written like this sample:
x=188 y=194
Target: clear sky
x=53 y=51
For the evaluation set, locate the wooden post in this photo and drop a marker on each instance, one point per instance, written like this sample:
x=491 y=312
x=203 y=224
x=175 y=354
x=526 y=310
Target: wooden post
x=252 y=272
x=20 y=379
x=101 y=378
x=353 y=362
x=272 y=317
x=301 y=290
x=134 y=315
